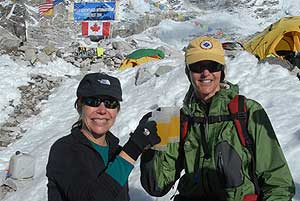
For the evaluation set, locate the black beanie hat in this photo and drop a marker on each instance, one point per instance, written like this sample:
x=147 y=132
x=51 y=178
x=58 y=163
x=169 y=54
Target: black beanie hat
x=99 y=84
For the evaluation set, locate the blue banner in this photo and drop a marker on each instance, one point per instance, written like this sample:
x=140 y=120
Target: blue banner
x=89 y=11
x=55 y=2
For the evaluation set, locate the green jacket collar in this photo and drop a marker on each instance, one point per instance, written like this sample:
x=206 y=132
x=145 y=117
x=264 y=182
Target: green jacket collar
x=193 y=106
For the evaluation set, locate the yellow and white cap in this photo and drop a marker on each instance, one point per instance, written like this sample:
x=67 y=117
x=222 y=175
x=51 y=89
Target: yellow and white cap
x=204 y=48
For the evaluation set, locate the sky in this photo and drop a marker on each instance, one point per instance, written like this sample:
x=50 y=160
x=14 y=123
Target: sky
x=271 y=85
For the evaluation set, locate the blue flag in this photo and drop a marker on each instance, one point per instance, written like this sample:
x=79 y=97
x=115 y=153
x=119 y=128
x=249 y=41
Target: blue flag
x=55 y=2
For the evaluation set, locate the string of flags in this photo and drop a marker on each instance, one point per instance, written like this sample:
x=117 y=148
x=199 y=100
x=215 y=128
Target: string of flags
x=217 y=32
x=182 y=17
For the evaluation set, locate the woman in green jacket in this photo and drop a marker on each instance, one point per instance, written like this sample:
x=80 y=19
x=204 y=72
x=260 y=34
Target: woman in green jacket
x=216 y=164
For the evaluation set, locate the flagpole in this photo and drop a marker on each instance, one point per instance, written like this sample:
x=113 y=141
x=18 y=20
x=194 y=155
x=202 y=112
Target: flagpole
x=112 y=31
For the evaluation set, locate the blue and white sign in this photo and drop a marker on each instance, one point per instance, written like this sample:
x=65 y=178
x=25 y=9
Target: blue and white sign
x=89 y=11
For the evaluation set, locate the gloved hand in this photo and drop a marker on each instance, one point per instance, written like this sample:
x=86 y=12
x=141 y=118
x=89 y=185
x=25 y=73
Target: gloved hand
x=144 y=136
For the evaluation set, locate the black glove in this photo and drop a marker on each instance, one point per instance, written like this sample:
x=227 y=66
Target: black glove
x=144 y=136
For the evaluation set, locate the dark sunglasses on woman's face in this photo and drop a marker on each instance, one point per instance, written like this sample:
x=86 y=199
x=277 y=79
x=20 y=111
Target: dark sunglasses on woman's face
x=208 y=65
x=108 y=102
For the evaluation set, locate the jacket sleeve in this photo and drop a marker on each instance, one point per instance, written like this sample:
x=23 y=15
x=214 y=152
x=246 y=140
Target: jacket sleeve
x=160 y=169
x=66 y=182
x=271 y=166
x=53 y=191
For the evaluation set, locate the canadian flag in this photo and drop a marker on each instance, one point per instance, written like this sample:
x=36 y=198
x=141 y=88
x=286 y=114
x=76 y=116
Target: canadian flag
x=96 y=28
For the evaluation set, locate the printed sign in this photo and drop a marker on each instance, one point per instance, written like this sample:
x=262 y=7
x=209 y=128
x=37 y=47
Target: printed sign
x=86 y=52
x=89 y=11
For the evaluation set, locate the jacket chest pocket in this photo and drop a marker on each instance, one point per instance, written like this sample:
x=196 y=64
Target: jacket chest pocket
x=228 y=165
x=192 y=154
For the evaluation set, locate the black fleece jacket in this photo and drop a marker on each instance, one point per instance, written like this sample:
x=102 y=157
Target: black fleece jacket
x=76 y=172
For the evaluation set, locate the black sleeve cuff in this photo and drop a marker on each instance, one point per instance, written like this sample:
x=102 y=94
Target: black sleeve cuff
x=132 y=150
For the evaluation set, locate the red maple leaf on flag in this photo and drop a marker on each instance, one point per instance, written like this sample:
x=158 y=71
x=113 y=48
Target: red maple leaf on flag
x=95 y=27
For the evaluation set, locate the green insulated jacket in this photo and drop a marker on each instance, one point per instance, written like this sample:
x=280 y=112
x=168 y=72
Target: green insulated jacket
x=216 y=165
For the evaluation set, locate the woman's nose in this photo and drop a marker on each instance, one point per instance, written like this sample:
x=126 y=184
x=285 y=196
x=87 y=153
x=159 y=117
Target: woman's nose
x=101 y=108
x=205 y=72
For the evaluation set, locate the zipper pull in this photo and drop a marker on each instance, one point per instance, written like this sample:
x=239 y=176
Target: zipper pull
x=196 y=177
x=171 y=198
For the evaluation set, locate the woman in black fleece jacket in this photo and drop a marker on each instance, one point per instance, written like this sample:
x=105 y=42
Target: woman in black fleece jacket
x=89 y=164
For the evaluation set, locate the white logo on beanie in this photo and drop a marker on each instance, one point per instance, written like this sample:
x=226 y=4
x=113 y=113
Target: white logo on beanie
x=104 y=81
x=206 y=44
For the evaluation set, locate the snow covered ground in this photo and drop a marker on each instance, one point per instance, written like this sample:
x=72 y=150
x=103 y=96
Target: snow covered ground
x=271 y=85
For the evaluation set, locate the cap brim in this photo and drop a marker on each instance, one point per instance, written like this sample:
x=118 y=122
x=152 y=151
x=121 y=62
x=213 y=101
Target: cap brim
x=110 y=94
x=200 y=56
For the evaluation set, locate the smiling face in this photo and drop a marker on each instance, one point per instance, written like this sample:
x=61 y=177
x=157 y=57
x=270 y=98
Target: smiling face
x=205 y=80
x=99 y=119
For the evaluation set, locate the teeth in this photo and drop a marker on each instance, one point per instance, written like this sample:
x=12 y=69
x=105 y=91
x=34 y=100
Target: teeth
x=100 y=120
x=206 y=81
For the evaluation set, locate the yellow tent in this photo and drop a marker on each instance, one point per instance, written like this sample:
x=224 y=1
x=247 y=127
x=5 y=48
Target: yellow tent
x=127 y=63
x=280 y=39
x=141 y=56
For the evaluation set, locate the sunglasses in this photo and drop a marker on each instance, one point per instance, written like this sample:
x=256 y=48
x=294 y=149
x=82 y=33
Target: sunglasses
x=108 y=102
x=201 y=66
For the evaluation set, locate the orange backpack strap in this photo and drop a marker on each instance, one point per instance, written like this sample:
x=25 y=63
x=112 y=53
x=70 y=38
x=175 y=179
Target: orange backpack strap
x=184 y=125
x=237 y=107
x=184 y=129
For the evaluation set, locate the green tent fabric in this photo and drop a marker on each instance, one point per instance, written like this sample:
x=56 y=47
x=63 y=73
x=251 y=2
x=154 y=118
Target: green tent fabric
x=146 y=53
